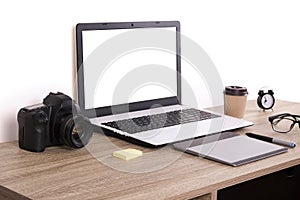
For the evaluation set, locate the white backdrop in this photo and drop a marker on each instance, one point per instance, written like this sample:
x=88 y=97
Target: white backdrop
x=252 y=43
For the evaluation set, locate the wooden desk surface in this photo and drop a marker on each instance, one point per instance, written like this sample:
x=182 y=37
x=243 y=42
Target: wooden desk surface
x=92 y=172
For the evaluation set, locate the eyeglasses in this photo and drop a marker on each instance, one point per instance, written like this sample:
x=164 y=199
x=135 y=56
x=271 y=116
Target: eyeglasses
x=284 y=123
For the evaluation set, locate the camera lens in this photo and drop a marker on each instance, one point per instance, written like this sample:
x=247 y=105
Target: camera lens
x=76 y=131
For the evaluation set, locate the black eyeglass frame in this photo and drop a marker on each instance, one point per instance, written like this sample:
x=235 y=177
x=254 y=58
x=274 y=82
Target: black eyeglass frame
x=292 y=117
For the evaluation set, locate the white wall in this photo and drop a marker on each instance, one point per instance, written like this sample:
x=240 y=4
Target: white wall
x=252 y=43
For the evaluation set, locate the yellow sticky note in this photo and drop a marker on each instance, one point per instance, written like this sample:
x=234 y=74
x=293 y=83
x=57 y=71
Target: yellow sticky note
x=127 y=154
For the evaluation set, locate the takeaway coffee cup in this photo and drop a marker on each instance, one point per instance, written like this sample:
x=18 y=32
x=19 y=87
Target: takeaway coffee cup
x=235 y=99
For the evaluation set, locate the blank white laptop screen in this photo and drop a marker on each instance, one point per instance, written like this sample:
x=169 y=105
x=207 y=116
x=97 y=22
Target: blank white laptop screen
x=123 y=65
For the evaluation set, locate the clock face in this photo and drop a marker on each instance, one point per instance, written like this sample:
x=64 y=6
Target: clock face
x=267 y=101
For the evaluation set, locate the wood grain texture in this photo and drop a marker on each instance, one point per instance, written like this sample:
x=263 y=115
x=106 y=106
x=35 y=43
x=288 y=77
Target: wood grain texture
x=161 y=173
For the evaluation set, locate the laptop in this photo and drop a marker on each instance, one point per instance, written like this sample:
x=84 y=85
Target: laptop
x=129 y=84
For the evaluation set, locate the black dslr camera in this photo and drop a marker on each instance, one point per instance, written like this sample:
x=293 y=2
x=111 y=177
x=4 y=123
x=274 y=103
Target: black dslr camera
x=56 y=121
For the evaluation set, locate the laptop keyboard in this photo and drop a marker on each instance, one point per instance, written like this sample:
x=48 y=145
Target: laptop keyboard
x=150 y=122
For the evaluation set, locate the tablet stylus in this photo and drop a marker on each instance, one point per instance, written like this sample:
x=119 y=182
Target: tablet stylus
x=272 y=140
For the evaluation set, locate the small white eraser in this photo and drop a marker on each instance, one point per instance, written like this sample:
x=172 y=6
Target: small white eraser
x=127 y=154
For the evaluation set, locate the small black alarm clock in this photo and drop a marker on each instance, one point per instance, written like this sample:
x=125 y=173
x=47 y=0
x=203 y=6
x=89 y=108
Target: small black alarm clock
x=265 y=99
